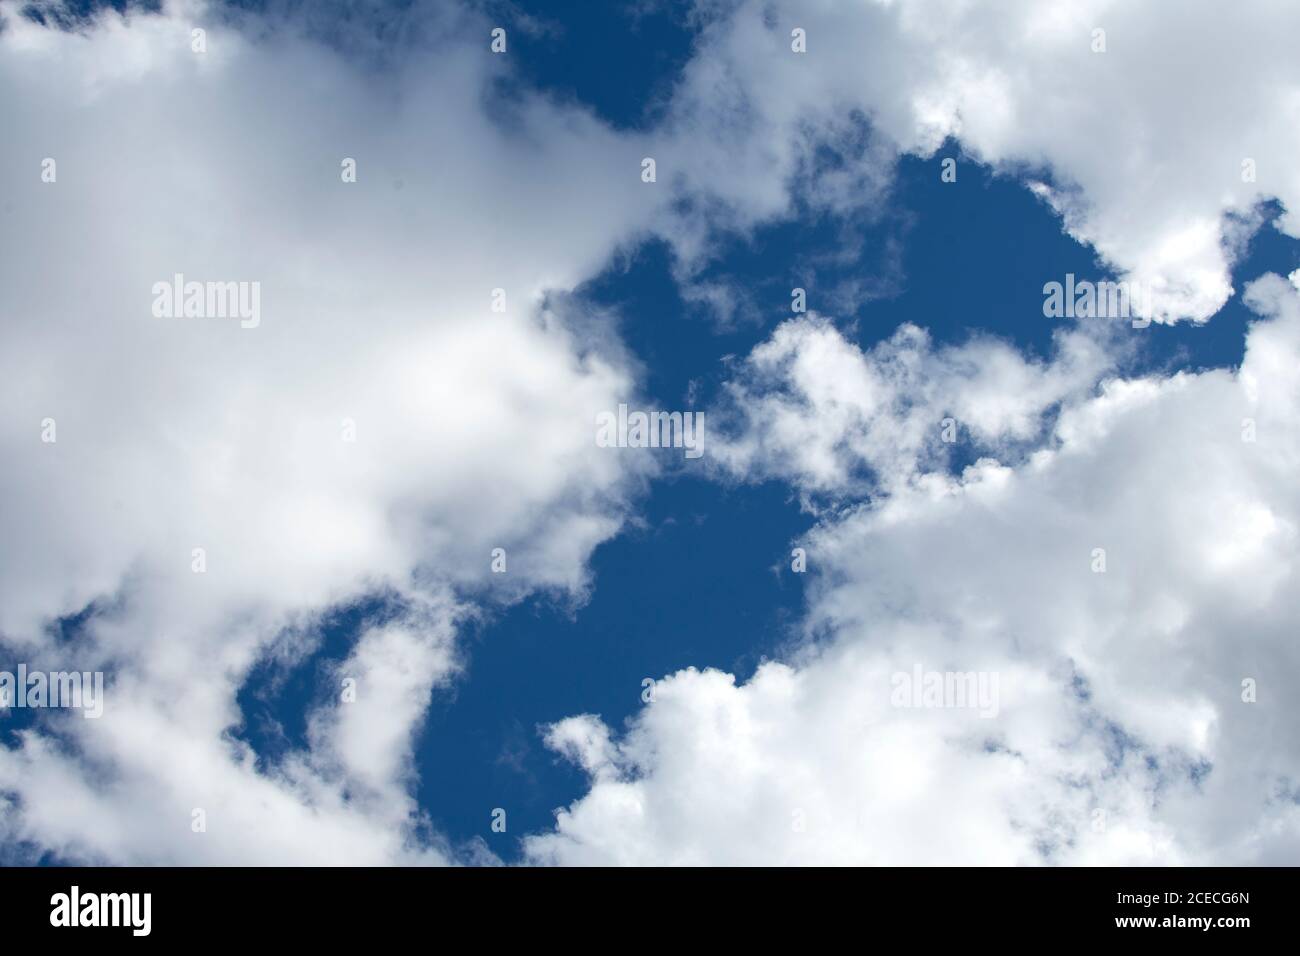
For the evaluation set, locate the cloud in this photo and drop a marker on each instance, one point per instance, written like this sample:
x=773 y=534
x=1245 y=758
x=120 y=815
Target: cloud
x=379 y=431
x=1125 y=731
x=1157 y=151
x=810 y=407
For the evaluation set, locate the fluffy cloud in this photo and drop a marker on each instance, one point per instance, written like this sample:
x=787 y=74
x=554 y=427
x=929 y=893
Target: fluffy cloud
x=1120 y=732
x=1141 y=148
x=380 y=430
x=814 y=409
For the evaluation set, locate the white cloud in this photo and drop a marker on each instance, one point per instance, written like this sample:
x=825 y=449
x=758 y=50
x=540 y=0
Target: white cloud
x=473 y=429
x=1119 y=692
x=810 y=407
x=1140 y=148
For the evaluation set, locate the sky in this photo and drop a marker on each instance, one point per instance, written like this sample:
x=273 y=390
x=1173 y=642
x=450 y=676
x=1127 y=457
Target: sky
x=1095 y=515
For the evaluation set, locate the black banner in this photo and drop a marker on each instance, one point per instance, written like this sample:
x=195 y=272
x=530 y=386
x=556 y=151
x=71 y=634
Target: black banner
x=1217 y=906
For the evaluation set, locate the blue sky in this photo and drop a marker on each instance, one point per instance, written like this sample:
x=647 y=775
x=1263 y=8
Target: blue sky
x=524 y=692
x=724 y=550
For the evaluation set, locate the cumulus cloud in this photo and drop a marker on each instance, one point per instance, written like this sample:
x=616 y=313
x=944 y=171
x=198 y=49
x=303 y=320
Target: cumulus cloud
x=1150 y=139
x=812 y=408
x=1142 y=711
x=213 y=484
